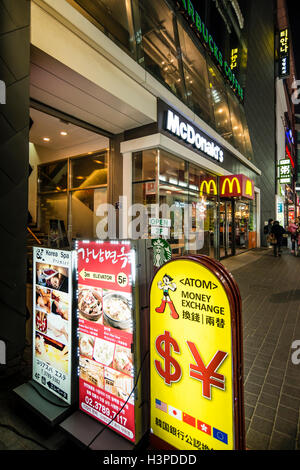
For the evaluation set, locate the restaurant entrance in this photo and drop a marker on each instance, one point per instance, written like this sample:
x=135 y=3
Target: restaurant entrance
x=226 y=228
x=237 y=226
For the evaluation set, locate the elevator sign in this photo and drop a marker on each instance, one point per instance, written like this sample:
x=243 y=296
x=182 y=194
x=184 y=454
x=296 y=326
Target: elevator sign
x=192 y=358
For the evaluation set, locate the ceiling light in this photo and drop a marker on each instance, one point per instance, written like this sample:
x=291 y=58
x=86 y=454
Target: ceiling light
x=63 y=133
x=46 y=139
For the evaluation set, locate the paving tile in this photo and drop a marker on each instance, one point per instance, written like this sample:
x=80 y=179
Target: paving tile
x=291 y=391
x=265 y=412
x=253 y=388
x=256 y=379
x=290 y=402
x=282 y=442
x=286 y=427
x=271 y=389
x=288 y=414
x=262 y=425
x=258 y=370
x=250 y=399
x=256 y=440
x=249 y=411
x=268 y=400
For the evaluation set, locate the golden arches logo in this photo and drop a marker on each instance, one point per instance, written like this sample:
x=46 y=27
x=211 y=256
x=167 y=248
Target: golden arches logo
x=209 y=186
x=230 y=185
x=249 y=188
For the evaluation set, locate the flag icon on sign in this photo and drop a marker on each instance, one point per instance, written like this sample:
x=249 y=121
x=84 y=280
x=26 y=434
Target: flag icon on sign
x=221 y=436
x=189 y=419
x=175 y=412
x=161 y=405
x=204 y=427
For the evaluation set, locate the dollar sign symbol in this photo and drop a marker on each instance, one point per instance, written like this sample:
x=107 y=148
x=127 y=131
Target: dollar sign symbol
x=172 y=370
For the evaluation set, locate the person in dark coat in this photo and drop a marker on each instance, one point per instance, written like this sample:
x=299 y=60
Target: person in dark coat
x=278 y=231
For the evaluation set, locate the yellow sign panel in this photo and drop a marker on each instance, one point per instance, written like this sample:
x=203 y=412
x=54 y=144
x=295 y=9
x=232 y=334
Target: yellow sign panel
x=191 y=358
x=249 y=191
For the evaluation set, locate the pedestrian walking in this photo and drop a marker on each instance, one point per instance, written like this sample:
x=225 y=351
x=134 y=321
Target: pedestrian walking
x=294 y=229
x=277 y=232
x=267 y=231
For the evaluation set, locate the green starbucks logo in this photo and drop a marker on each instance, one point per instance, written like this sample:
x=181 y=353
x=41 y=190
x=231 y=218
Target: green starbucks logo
x=161 y=252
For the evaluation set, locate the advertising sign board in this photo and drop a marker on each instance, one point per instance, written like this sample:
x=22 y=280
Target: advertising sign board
x=106 y=303
x=52 y=320
x=195 y=356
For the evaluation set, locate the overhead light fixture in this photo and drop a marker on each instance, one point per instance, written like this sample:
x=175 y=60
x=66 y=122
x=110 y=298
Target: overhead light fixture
x=63 y=133
x=46 y=139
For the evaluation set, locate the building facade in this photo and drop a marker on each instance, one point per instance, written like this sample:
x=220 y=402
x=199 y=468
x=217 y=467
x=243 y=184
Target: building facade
x=167 y=105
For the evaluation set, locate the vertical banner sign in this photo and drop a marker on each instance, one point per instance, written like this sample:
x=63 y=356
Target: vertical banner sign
x=284 y=53
x=194 y=391
x=284 y=172
x=52 y=320
x=106 y=273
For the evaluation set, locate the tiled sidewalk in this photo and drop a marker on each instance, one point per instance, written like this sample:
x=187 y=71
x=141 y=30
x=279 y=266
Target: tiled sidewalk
x=270 y=290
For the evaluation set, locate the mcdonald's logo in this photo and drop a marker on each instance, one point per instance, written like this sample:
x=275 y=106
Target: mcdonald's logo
x=208 y=187
x=249 y=189
x=236 y=186
x=231 y=183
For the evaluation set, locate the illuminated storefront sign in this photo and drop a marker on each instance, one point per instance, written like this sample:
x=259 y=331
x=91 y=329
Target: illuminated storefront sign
x=284 y=54
x=284 y=172
x=52 y=320
x=208 y=187
x=106 y=314
x=208 y=40
x=236 y=186
x=234 y=58
x=193 y=136
x=192 y=369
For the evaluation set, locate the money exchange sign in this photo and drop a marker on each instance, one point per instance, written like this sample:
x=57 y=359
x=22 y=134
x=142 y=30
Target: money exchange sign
x=192 y=361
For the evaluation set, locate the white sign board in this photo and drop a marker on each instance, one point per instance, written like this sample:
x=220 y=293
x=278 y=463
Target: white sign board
x=52 y=320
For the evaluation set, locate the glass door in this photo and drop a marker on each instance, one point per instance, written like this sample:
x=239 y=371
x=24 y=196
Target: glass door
x=226 y=223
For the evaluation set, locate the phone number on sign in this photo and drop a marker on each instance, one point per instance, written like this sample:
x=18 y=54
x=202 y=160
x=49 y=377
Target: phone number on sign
x=96 y=405
x=107 y=418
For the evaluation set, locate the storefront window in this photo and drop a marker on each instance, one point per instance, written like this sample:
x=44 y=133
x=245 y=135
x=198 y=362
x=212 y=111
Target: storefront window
x=144 y=165
x=89 y=171
x=236 y=124
x=173 y=170
x=220 y=103
x=160 y=49
x=195 y=76
x=86 y=212
x=53 y=176
x=187 y=196
x=114 y=18
x=68 y=199
x=52 y=206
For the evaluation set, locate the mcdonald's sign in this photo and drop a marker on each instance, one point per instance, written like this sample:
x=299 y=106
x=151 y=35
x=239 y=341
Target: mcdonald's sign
x=209 y=187
x=236 y=186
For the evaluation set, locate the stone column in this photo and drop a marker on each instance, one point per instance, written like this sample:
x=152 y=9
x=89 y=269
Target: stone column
x=14 y=158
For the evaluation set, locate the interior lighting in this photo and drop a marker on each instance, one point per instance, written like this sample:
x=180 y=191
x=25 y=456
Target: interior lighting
x=46 y=139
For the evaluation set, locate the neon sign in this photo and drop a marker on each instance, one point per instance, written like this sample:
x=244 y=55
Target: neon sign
x=193 y=136
x=208 y=40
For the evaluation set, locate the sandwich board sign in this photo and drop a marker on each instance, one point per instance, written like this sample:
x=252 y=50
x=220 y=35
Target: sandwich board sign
x=196 y=392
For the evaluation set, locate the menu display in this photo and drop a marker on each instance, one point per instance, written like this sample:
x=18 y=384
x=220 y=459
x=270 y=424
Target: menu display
x=52 y=320
x=105 y=305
